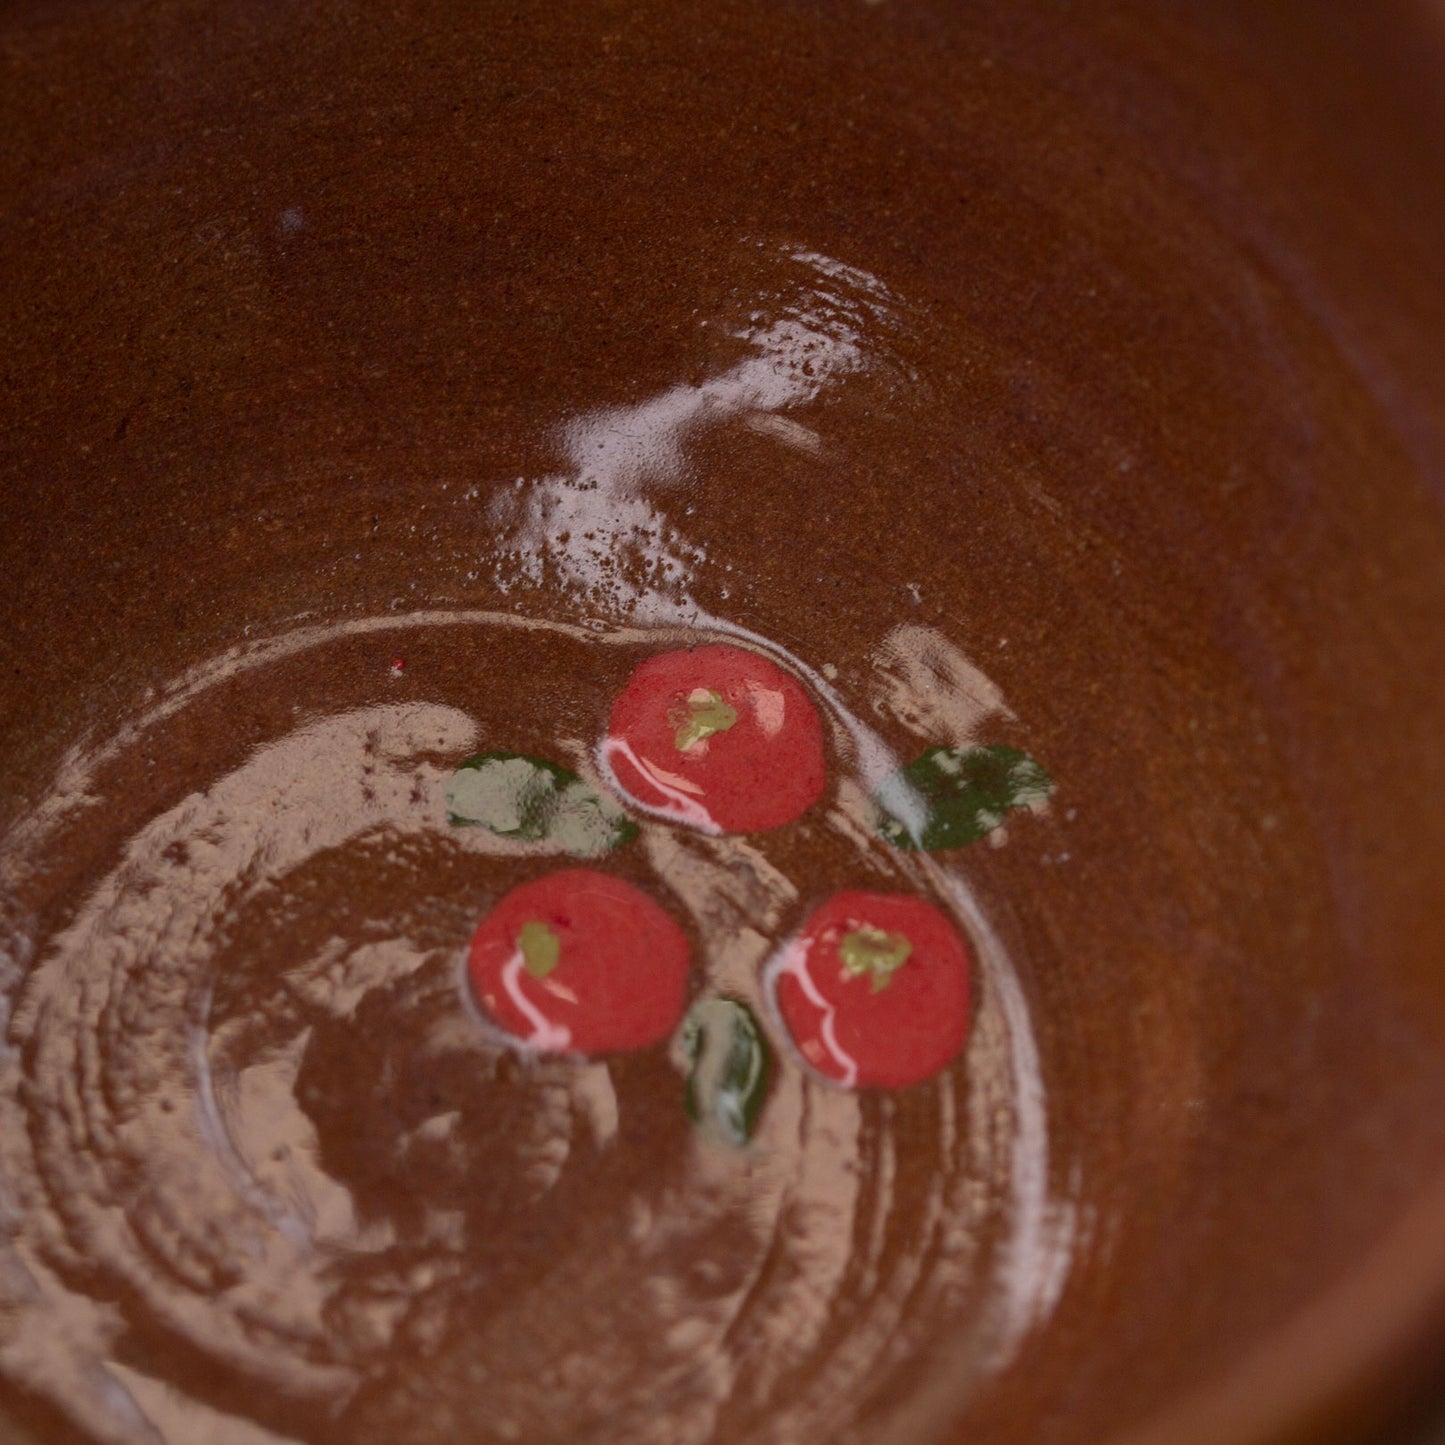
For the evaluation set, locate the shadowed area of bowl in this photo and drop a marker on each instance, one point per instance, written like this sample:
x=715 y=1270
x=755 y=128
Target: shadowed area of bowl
x=1008 y=373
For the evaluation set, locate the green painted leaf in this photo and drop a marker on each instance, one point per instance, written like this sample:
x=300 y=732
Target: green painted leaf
x=534 y=801
x=874 y=953
x=729 y=1066
x=950 y=797
x=706 y=713
x=540 y=948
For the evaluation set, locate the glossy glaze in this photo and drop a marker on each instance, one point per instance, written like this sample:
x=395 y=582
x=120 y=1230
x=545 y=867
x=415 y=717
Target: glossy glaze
x=249 y=1093
x=384 y=388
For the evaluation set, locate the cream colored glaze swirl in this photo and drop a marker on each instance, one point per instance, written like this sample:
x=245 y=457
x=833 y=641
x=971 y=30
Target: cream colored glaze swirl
x=249 y=1122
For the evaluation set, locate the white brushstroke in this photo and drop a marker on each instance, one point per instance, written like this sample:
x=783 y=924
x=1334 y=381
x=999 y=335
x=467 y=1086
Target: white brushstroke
x=545 y=1034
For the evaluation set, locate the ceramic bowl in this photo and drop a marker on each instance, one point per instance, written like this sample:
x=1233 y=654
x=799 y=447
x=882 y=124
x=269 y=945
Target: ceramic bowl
x=385 y=385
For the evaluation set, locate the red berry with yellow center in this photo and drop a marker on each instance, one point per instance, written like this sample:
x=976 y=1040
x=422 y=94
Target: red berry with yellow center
x=580 y=962
x=717 y=737
x=875 y=990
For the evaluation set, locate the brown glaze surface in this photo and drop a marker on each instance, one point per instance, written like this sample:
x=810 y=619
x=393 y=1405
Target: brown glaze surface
x=1007 y=376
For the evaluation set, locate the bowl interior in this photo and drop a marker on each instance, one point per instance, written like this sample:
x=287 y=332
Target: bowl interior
x=1042 y=381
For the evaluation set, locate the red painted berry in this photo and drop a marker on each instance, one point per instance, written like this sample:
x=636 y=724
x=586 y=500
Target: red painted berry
x=875 y=990
x=581 y=962
x=717 y=737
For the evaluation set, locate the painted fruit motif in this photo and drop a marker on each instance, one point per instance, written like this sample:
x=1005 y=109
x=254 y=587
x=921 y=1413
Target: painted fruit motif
x=580 y=962
x=875 y=990
x=716 y=737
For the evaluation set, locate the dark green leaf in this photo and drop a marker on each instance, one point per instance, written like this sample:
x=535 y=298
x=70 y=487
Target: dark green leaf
x=949 y=797
x=534 y=801
x=728 y=1074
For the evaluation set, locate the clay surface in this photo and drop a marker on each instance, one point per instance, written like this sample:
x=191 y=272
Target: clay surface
x=381 y=386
